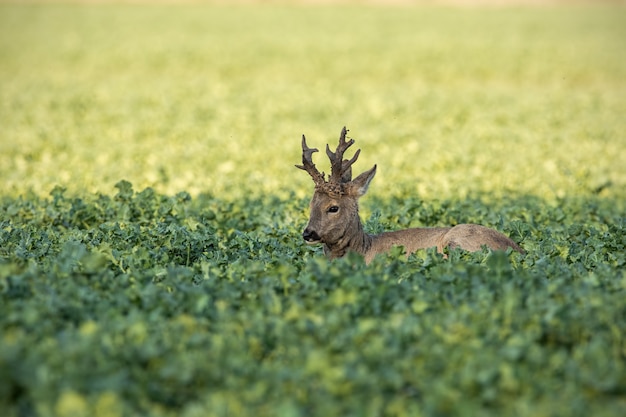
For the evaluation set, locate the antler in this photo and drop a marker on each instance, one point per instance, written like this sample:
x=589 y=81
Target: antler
x=341 y=169
x=309 y=166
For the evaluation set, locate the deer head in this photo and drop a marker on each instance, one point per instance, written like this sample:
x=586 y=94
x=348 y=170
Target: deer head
x=334 y=219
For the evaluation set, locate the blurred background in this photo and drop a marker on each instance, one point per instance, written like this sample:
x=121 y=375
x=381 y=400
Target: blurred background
x=448 y=97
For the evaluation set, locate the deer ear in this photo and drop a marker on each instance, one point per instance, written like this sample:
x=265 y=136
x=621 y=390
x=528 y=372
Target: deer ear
x=358 y=187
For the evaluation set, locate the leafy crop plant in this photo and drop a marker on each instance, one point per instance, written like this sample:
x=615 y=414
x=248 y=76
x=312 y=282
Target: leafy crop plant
x=185 y=290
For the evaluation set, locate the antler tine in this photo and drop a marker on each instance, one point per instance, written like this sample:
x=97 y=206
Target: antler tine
x=308 y=165
x=339 y=166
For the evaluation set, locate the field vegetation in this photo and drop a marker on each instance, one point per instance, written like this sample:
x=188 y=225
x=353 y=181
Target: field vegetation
x=150 y=214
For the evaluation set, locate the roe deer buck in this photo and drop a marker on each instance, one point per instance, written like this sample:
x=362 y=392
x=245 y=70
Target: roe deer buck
x=335 y=220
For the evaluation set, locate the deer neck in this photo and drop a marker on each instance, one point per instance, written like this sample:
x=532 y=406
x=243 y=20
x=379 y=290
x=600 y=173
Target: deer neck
x=354 y=239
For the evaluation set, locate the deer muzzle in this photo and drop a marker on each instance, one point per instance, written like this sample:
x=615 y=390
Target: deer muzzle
x=311 y=237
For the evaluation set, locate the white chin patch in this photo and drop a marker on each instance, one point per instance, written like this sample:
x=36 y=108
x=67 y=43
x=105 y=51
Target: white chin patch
x=313 y=242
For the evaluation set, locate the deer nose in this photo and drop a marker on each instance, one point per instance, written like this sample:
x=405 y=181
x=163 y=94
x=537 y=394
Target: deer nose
x=310 y=236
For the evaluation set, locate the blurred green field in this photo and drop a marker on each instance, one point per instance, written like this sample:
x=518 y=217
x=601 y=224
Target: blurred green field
x=447 y=101
x=150 y=214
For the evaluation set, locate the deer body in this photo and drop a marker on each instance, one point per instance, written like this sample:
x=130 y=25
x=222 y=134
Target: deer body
x=335 y=223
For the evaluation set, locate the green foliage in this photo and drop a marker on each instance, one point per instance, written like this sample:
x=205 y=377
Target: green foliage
x=144 y=299
x=148 y=304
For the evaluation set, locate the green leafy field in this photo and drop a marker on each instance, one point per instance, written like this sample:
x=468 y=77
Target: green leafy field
x=150 y=215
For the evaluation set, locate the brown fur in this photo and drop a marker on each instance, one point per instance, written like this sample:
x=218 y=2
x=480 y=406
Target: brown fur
x=334 y=220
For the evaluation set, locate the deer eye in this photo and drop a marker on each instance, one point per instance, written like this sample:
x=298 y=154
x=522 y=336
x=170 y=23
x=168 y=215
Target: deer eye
x=333 y=209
